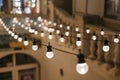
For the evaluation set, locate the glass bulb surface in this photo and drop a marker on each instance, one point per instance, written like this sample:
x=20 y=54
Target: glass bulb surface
x=20 y=39
x=49 y=55
x=78 y=43
x=102 y=32
x=94 y=37
x=116 y=40
x=87 y=31
x=106 y=48
x=82 y=68
x=26 y=43
x=62 y=39
x=34 y=47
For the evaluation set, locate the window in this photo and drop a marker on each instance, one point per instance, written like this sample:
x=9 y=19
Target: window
x=25 y=6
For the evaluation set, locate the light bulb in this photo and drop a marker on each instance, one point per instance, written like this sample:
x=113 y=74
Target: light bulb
x=49 y=53
x=62 y=38
x=106 y=47
x=77 y=29
x=94 y=37
x=57 y=31
x=12 y=34
x=50 y=36
x=78 y=34
x=54 y=24
x=87 y=30
x=22 y=26
x=34 y=47
x=78 y=42
x=102 y=32
x=26 y=42
x=61 y=25
x=116 y=39
x=9 y=32
x=82 y=68
x=35 y=23
x=19 y=39
x=67 y=33
x=36 y=32
x=15 y=36
x=39 y=25
x=68 y=27
x=42 y=34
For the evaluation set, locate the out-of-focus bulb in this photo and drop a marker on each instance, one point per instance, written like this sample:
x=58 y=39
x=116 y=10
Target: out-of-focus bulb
x=50 y=36
x=78 y=42
x=76 y=28
x=34 y=46
x=12 y=34
x=78 y=34
x=68 y=27
x=116 y=39
x=15 y=36
x=62 y=39
x=94 y=37
x=102 y=32
x=49 y=53
x=57 y=31
x=67 y=33
x=54 y=24
x=87 y=30
x=42 y=34
x=26 y=42
x=106 y=47
x=61 y=25
x=36 y=32
x=19 y=39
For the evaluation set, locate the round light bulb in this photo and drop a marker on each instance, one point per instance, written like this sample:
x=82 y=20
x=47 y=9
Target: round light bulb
x=35 y=23
x=68 y=27
x=26 y=43
x=78 y=34
x=19 y=39
x=57 y=31
x=94 y=37
x=42 y=34
x=12 y=34
x=15 y=36
x=34 y=47
x=116 y=40
x=9 y=32
x=88 y=31
x=102 y=32
x=67 y=33
x=62 y=39
x=106 y=48
x=82 y=68
x=36 y=32
x=76 y=29
x=22 y=26
x=50 y=36
x=61 y=25
x=49 y=55
x=79 y=43
x=54 y=24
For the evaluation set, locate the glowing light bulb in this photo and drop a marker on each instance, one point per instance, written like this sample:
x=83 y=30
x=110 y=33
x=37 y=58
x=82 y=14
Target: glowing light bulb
x=116 y=39
x=9 y=32
x=50 y=36
x=34 y=46
x=87 y=30
x=35 y=23
x=26 y=42
x=78 y=34
x=82 y=67
x=67 y=33
x=15 y=36
x=12 y=34
x=39 y=25
x=77 y=29
x=102 y=32
x=19 y=39
x=106 y=47
x=68 y=27
x=49 y=53
x=54 y=24
x=78 y=42
x=62 y=39
x=94 y=37
x=42 y=34
x=57 y=31
x=36 y=32
x=61 y=25
x=22 y=26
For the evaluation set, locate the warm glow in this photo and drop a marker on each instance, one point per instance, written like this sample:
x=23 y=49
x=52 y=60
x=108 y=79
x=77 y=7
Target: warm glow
x=49 y=54
x=87 y=30
x=82 y=68
x=106 y=48
x=34 y=47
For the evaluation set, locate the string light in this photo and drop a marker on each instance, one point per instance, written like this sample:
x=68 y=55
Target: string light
x=78 y=34
x=62 y=39
x=36 y=32
x=87 y=30
x=50 y=36
x=49 y=53
x=94 y=37
x=61 y=25
x=67 y=33
x=106 y=47
x=57 y=31
x=26 y=42
x=76 y=28
x=15 y=36
x=19 y=39
x=78 y=42
x=82 y=66
x=34 y=45
x=68 y=27
x=116 y=39
x=102 y=32
x=42 y=34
